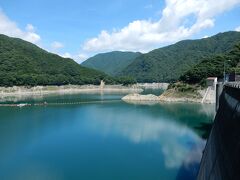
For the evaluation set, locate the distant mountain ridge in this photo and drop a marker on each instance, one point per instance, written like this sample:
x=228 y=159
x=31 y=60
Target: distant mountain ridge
x=170 y=62
x=112 y=62
x=23 y=63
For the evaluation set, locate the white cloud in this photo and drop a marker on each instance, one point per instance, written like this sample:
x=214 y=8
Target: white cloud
x=56 y=45
x=238 y=29
x=144 y=35
x=30 y=27
x=81 y=57
x=67 y=55
x=10 y=28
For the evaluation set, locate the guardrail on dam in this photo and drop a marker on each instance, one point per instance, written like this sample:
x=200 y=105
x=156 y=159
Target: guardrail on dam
x=221 y=157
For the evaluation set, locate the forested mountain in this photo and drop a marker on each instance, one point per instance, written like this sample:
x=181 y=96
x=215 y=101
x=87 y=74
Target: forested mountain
x=214 y=67
x=111 y=63
x=23 y=63
x=169 y=63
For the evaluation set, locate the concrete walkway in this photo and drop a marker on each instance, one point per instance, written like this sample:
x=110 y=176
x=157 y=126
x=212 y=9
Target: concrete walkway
x=210 y=95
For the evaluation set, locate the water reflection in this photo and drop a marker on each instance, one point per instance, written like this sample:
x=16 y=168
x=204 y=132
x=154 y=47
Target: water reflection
x=177 y=142
x=113 y=140
x=41 y=97
x=60 y=97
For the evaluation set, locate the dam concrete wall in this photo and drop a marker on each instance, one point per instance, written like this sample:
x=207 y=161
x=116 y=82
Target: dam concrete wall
x=221 y=157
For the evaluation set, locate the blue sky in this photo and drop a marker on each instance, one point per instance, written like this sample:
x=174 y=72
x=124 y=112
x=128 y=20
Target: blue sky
x=80 y=29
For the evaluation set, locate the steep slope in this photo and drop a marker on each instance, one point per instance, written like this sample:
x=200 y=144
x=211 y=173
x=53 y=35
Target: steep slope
x=112 y=62
x=169 y=63
x=22 y=63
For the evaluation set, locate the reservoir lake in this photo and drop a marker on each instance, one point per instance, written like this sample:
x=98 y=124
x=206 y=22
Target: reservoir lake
x=101 y=138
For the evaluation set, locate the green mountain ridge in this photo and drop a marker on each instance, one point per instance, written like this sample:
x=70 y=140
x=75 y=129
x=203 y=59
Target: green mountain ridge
x=112 y=62
x=23 y=63
x=169 y=63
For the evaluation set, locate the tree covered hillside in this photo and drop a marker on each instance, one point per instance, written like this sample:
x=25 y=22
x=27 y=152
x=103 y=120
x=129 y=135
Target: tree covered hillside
x=214 y=67
x=169 y=63
x=22 y=63
x=111 y=63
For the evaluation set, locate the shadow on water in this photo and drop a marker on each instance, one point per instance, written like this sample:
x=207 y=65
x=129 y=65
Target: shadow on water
x=188 y=173
x=190 y=166
x=205 y=129
x=197 y=117
x=189 y=170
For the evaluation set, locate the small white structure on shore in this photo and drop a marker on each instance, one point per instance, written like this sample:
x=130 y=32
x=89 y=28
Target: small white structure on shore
x=210 y=94
x=102 y=84
x=22 y=105
x=212 y=82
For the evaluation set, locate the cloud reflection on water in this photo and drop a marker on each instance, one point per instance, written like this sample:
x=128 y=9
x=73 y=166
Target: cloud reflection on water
x=178 y=143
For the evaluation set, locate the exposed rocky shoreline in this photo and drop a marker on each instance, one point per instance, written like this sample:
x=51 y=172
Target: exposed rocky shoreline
x=67 y=89
x=139 y=97
x=170 y=96
x=152 y=98
x=162 y=86
x=133 y=92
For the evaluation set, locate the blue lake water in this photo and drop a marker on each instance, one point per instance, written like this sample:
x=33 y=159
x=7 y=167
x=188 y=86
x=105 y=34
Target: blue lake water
x=101 y=138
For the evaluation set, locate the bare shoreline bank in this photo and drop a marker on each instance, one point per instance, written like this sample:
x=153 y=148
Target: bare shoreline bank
x=67 y=89
x=170 y=96
x=162 y=86
x=142 y=99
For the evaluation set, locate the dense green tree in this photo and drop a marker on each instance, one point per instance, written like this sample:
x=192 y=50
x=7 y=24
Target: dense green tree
x=23 y=63
x=167 y=64
x=214 y=66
